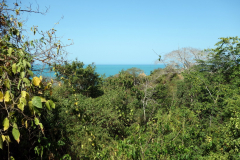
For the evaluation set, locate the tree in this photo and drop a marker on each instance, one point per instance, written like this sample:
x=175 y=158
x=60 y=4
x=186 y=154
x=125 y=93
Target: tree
x=224 y=59
x=23 y=105
x=47 y=49
x=82 y=80
x=184 y=57
x=135 y=72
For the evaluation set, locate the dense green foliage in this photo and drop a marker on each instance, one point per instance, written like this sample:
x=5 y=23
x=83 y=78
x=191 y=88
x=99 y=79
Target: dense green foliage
x=170 y=114
x=81 y=80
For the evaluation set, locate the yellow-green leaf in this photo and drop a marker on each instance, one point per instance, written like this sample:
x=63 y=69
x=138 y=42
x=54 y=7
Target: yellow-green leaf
x=36 y=81
x=52 y=104
x=28 y=64
x=22 y=121
x=41 y=126
x=16 y=133
x=21 y=106
x=26 y=81
x=10 y=50
x=36 y=121
x=14 y=68
x=17 y=12
x=26 y=124
x=7 y=70
x=19 y=24
x=48 y=105
x=23 y=94
x=7 y=96
x=1 y=96
x=27 y=97
x=22 y=74
x=30 y=73
x=5 y=124
x=24 y=63
x=23 y=100
x=11 y=113
x=43 y=99
x=3 y=138
x=1 y=142
x=7 y=83
x=7 y=138
x=19 y=67
x=19 y=83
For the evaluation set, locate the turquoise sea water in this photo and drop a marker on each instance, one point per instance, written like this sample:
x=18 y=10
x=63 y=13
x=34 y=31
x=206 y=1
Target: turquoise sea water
x=111 y=69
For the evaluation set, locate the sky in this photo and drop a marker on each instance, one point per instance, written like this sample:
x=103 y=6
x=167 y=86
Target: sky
x=127 y=31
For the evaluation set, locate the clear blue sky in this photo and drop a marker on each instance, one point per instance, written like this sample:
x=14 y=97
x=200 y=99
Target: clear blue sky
x=126 y=31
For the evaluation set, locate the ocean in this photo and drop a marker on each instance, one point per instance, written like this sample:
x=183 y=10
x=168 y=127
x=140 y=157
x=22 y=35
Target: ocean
x=111 y=69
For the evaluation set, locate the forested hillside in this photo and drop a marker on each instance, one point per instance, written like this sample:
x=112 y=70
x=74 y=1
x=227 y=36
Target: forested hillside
x=185 y=111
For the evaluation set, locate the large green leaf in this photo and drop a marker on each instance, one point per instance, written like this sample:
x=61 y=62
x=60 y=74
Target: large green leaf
x=5 y=124
x=16 y=133
x=36 y=101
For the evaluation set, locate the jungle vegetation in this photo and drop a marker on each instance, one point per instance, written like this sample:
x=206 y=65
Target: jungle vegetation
x=174 y=113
